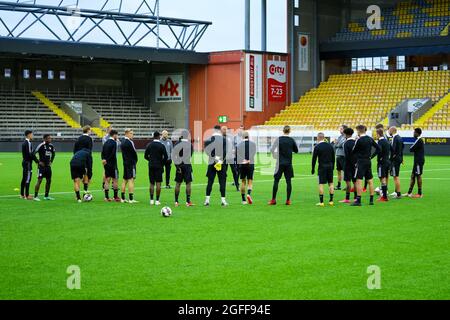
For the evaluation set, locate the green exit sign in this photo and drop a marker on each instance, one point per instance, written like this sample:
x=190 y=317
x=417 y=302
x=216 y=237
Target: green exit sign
x=223 y=119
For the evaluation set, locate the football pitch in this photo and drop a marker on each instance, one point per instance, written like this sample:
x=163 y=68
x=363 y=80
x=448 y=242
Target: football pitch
x=128 y=251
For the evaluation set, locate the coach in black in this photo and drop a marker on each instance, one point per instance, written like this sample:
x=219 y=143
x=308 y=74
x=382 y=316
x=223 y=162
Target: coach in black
x=46 y=152
x=182 y=154
x=109 y=161
x=349 y=165
x=418 y=148
x=363 y=153
x=156 y=155
x=216 y=147
x=396 y=160
x=28 y=156
x=383 y=163
x=130 y=159
x=324 y=152
x=81 y=170
x=84 y=141
x=282 y=151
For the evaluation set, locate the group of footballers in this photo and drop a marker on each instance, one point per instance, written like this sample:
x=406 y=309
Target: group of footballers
x=350 y=154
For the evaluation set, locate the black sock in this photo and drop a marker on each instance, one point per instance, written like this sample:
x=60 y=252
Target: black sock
x=46 y=195
x=123 y=195
x=347 y=195
x=151 y=196
x=176 y=197
x=106 y=194
x=371 y=199
x=249 y=191
x=399 y=194
x=331 y=197
x=86 y=187
x=384 y=192
x=358 y=199
x=131 y=195
x=36 y=194
x=188 y=198
x=410 y=190
x=157 y=198
x=339 y=185
x=321 y=198
x=420 y=191
x=355 y=195
x=116 y=193
x=243 y=196
x=78 y=195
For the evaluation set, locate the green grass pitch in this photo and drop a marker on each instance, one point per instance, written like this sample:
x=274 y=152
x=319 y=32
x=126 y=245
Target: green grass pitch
x=254 y=252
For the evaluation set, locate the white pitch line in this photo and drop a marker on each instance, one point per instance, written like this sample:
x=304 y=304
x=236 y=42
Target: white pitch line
x=301 y=177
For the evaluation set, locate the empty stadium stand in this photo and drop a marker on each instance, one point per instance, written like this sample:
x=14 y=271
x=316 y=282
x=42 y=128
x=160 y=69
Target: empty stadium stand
x=20 y=110
x=365 y=98
x=23 y=109
x=418 y=18
x=120 y=109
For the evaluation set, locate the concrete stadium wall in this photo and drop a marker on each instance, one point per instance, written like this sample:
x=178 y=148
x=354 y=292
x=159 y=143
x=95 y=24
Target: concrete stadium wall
x=320 y=20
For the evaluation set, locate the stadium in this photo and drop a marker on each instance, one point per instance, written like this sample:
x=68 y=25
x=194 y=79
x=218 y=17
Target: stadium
x=106 y=70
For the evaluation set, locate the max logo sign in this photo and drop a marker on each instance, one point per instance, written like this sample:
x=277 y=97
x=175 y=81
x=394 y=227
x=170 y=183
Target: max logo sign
x=169 y=88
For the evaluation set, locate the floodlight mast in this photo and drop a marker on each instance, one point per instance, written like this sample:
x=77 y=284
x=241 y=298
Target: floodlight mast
x=182 y=34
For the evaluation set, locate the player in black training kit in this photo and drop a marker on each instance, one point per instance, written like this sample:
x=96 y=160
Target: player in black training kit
x=181 y=156
x=245 y=157
x=28 y=157
x=324 y=152
x=109 y=161
x=46 y=152
x=81 y=170
x=156 y=155
x=419 y=160
x=84 y=141
x=383 y=164
x=396 y=160
x=130 y=159
x=350 y=165
x=216 y=148
x=363 y=153
x=282 y=151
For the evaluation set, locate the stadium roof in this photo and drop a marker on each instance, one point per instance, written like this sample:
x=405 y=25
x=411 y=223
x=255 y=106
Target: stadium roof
x=99 y=51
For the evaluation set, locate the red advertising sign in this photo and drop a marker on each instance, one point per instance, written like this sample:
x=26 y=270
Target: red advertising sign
x=276 y=78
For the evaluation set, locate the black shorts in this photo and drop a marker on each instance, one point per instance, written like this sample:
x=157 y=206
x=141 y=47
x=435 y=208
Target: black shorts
x=417 y=169
x=326 y=175
x=211 y=172
x=155 y=174
x=183 y=173
x=111 y=171
x=340 y=163
x=246 y=171
x=44 y=172
x=383 y=169
x=395 y=169
x=363 y=170
x=285 y=169
x=349 y=172
x=77 y=172
x=129 y=171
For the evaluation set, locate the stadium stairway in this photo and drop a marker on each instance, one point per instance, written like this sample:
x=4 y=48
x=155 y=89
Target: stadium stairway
x=365 y=98
x=63 y=115
x=437 y=118
x=118 y=109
